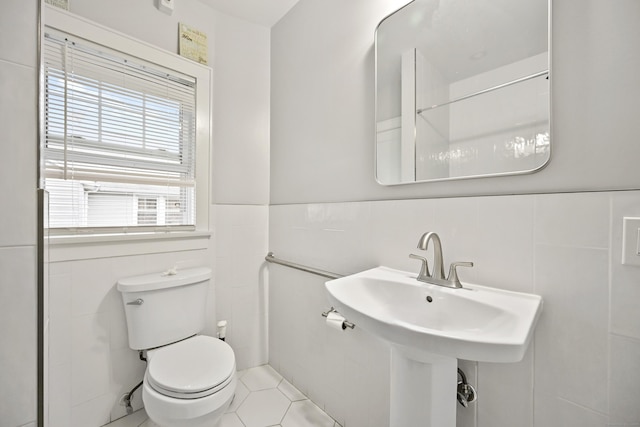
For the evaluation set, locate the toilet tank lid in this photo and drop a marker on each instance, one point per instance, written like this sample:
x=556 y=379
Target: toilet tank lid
x=164 y=280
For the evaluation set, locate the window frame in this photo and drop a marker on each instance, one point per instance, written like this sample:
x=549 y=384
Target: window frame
x=76 y=26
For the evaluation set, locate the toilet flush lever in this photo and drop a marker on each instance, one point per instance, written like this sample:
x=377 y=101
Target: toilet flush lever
x=139 y=301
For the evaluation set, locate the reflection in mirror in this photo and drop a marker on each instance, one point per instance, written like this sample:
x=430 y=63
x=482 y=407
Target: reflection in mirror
x=462 y=90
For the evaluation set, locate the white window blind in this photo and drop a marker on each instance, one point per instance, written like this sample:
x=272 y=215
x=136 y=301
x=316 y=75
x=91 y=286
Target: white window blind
x=119 y=144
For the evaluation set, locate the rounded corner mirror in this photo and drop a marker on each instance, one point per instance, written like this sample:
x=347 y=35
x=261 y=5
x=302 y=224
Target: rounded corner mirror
x=462 y=90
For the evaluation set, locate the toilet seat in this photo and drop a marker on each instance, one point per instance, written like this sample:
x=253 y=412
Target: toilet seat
x=196 y=367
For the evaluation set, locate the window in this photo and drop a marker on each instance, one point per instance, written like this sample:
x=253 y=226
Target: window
x=121 y=136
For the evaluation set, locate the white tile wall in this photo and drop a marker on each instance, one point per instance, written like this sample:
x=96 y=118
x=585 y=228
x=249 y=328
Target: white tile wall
x=59 y=314
x=579 y=371
x=59 y=395
x=18 y=38
x=18 y=301
x=94 y=412
x=571 y=339
x=346 y=374
x=241 y=281
x=573 y=219
x=625 y=292
x=516 y=242
x=18 y=335
x=90 y=357
x=551 y=411
x=18 y=165
x=624 y=379
x=503 y=402
x=504 y=226
x=90 y=363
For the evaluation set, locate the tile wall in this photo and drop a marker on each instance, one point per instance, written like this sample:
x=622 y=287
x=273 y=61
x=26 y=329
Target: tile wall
x=241 y=280
x=580 y=371
x=90 y=363
x=18 y=120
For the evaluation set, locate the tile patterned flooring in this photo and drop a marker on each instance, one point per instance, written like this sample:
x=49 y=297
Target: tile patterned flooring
x=263 y=399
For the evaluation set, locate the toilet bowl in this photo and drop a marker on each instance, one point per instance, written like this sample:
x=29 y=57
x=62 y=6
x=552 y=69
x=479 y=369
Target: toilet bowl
x=190 y=383
x=190 y=379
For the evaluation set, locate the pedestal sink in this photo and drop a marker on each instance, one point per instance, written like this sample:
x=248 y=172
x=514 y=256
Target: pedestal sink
x=429 y=327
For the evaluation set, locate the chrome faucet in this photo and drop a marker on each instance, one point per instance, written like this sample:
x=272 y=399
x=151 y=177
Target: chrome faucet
x=436 y=277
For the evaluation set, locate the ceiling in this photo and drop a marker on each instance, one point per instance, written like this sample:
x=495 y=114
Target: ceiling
x=262 y=12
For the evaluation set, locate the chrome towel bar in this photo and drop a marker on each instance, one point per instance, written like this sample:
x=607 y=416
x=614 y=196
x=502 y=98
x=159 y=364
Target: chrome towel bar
x=271 y=258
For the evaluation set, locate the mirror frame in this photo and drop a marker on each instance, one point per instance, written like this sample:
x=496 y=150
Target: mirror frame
x=538 y=168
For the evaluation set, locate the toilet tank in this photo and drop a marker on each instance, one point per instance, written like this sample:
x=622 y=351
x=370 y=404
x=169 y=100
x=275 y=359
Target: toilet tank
x=163 y=308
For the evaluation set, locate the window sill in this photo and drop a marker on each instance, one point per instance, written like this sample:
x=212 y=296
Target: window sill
x=69 y=248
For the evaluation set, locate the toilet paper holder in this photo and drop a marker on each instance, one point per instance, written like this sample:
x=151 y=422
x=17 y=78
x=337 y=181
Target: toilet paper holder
x=345 y=324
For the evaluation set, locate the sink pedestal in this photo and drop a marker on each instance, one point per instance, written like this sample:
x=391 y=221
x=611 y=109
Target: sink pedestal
x=429 y=327
x=423 y=389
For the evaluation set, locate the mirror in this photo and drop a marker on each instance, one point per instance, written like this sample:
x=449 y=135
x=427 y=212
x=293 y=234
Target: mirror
x=462 y=90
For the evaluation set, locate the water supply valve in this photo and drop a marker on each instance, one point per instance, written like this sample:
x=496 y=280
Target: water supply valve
x=466 y=393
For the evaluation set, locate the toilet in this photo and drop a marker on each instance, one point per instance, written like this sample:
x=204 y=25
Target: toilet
x=190 y=379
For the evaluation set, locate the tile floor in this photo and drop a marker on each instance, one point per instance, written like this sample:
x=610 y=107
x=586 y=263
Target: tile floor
x=263 y=399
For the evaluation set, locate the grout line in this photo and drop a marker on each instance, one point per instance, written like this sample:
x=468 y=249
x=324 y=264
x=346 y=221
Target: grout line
x=610 y=264
x=31 y=67
x=238 y=416
x=287 y=411
x=625 y=337
x=586 y=408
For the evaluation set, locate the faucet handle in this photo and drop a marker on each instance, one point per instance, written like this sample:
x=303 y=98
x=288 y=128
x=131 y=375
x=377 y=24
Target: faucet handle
x=453 y=273
x=424 y=270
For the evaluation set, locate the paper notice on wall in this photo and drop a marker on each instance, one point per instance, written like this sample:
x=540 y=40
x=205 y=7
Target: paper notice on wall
x=62 y=4
x=193 y=44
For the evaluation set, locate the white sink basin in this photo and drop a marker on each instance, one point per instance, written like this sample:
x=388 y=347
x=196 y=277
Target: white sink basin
x=473 y=323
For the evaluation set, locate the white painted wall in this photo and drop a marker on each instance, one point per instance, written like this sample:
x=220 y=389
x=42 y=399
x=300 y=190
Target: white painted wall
x=326 y=211
x=239 y=56
x=18 y=119
x=322 y=106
